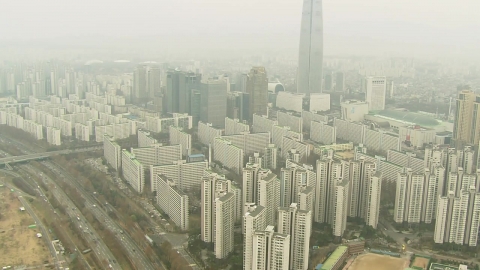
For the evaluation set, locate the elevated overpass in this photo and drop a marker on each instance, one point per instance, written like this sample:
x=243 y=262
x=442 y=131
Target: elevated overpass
x=23 y=158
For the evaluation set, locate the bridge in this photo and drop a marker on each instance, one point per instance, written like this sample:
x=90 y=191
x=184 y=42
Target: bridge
x=23 y=158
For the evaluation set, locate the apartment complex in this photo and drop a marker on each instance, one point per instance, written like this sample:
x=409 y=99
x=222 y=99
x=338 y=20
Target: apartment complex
x=173 y=202
x=132 y=171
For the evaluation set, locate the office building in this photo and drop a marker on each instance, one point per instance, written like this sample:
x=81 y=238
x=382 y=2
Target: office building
x=328 y=85
x=319 y=102
x=271 y=250
x=132 y=171
x=466 y=129
x=140 y=83
x=238 y=106
x=178 y=136
x=339 y=82
x=310 y=58
x=173 y=202
x=257 y=89
x=376 y=93
x=354 y=110
x=213 y=106
x=112 y=152
x=253 y=220
x=297 y=224
x=179 y=89
x=290 y=101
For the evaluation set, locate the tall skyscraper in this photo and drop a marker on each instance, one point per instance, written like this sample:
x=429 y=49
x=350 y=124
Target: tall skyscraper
x=328 y=82
x=310 y=58
x=257 y=88
x=179 y=89
x=154 y=81
x=339 y=82
x=140 y=83
x=466 y=129
x=376 y=93
x=213 y=104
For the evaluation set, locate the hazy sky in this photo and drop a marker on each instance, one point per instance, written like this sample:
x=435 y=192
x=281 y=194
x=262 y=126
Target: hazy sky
x=455 y=24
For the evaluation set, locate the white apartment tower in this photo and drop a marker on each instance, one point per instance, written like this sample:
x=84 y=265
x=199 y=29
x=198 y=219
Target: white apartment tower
x=297 y=224
x=261 y=187
x=218 y=211
x=271 y=250
x=293 y=178
x=224 y=223
x=253 y=220
x=458 y=218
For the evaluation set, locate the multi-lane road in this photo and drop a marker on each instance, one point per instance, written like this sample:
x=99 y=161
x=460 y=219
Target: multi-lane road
x=91 y=237
x=135 y=254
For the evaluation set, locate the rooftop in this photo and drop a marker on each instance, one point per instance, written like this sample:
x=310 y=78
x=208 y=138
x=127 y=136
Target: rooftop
x=333 y=259
x=411 y=117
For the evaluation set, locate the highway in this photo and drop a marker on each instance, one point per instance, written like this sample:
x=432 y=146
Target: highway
x=37 y=220
x=94 y=241
x=135 y=254
x=14 y=159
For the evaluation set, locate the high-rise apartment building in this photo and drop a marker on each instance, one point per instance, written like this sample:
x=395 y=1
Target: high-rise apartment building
x=253 y=220
x=178 y=136
x=376 y=93
x=257 y=89
x=224 y=223
x=261 y=187
x=297 y=224
x=466 y=129
x=310 y=58
x=293 y=179
x=218 y=211
x=271 y=250
x=417 y=195
x=458 y=217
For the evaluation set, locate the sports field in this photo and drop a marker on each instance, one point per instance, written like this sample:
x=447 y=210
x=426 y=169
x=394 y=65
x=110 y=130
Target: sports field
x=372 y=261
